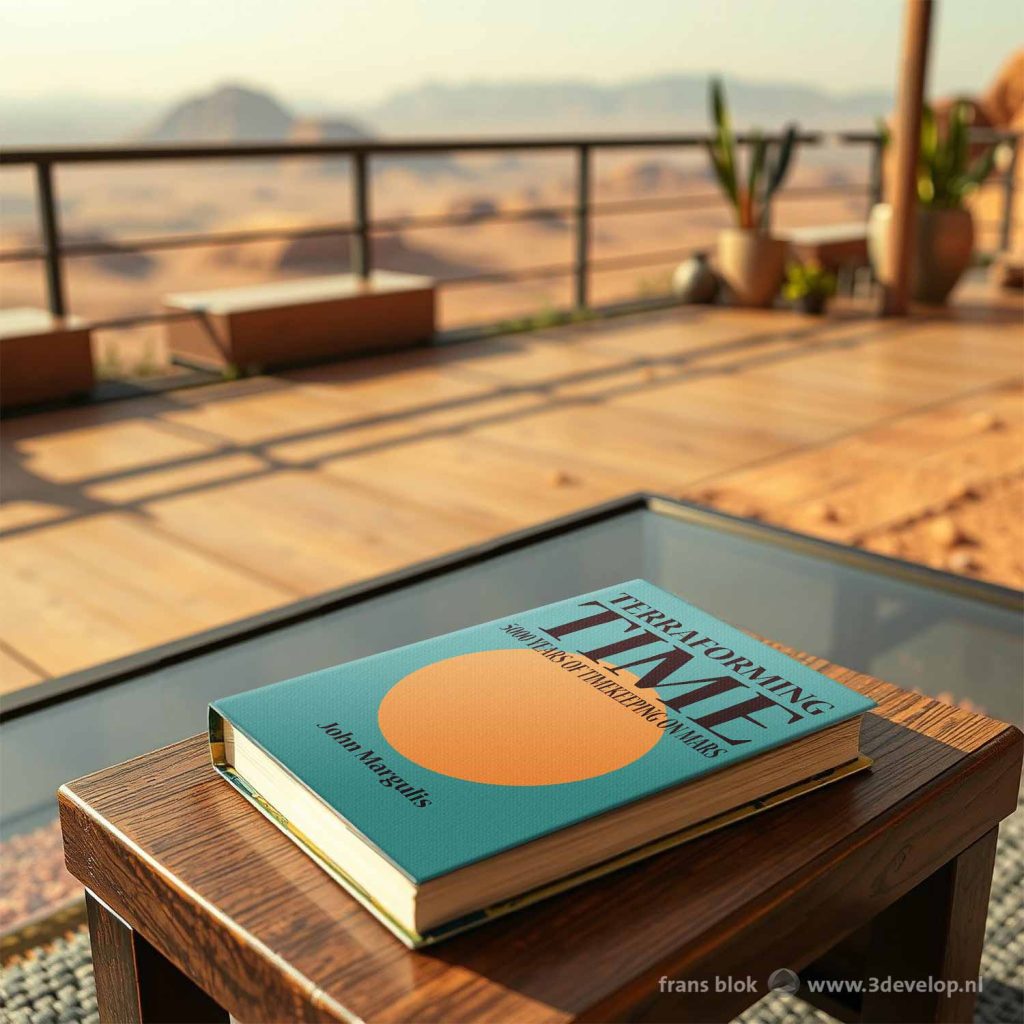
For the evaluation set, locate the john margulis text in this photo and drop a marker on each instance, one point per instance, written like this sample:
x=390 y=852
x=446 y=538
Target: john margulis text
x=417 y=796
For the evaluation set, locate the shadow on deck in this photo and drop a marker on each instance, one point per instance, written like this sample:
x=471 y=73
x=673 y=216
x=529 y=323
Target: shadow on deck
x=131 y=523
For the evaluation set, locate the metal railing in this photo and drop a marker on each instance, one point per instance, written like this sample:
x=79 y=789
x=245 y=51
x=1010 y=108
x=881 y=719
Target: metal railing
x=56 y=248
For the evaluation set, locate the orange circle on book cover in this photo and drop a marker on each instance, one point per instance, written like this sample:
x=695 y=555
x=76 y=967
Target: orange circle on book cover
x=513 y=718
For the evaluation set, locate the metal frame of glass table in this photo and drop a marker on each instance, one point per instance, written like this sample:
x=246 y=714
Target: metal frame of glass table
x=40 y=695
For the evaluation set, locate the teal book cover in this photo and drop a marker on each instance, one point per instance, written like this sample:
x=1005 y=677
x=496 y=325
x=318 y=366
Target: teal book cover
x=456 y=748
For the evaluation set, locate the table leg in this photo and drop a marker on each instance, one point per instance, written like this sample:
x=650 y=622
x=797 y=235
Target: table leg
x=136 y=984
x=934 y=934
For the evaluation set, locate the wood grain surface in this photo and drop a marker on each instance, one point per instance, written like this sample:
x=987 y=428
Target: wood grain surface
x=177 y=853
x=134 y=523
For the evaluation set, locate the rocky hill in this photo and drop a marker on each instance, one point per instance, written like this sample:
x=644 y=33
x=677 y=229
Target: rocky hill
x=664 y=103
x=237 y=113
x=229 y=113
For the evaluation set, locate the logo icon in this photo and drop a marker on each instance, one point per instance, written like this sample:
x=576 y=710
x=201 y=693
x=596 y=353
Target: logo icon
x=784 y=980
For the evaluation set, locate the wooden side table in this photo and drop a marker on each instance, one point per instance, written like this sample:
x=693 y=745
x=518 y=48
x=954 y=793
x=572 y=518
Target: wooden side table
x=198 y=907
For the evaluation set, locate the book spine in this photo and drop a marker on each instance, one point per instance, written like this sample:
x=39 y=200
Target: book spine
x=216 y=733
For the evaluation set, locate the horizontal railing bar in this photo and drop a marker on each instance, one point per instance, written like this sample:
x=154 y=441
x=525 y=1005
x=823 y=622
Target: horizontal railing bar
x=130 y=246
x=601 y=264
x=404 y=147
x=139 y=319
x=978 y=134
x=645 y=259
x=369 y=147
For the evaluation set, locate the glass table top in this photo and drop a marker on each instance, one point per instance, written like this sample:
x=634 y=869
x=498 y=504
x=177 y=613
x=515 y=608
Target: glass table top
x=910 y=626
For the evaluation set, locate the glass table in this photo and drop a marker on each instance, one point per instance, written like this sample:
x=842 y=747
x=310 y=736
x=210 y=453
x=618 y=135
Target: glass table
x=910 y=625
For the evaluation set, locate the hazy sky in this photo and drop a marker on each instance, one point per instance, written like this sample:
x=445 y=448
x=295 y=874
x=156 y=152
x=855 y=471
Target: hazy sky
x=346 y=53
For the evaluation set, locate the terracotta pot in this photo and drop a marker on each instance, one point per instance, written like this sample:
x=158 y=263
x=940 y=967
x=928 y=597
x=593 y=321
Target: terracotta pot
x=752 y=264
x=943 y=245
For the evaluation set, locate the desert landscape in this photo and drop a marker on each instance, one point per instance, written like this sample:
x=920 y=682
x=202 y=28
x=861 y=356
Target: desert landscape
x=679 y=208
x=152 y=202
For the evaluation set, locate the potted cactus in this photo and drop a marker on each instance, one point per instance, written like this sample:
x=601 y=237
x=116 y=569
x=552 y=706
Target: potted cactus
x=750 y=260
x=944 y=238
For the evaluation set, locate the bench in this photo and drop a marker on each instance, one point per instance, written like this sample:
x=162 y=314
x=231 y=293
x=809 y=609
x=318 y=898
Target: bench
x=43 y=358
x=288 y=323
x=841 y=248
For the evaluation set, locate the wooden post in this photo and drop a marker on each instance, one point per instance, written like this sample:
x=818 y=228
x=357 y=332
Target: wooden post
x=917 y=18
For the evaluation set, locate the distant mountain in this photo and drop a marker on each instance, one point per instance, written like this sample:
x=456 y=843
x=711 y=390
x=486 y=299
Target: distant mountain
x=664 y=103
x=240 y=113
x=229 y=113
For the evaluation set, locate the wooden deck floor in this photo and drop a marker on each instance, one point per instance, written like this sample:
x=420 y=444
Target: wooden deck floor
x=132 y=523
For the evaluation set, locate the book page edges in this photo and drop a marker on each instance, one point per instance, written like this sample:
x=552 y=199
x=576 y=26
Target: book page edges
x=414 y=940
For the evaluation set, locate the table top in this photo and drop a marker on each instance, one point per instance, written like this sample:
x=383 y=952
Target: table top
x=910 y=625
x=177 y=853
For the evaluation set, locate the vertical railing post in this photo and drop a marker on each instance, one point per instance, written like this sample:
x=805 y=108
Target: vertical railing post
x=582 y=262
x=360 y=215
x=875 y=171
x=50 y=227
x=1009 y=185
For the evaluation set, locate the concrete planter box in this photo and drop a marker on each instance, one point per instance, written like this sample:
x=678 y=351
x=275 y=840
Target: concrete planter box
x=43 y=358
x=288 y=323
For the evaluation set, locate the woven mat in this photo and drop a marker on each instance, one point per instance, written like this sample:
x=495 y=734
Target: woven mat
x=53 y=984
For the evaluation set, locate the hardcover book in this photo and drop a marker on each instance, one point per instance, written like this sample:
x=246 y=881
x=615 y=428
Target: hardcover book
x=456 y=779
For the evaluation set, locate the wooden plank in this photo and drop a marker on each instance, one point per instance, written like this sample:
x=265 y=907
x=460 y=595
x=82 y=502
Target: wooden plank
x=19 y=514
x=16 y=672
x=161 y=482
x=107 y=585
x=379 y=433
x=477 y=477
x=890 y=497
x=316 y=401
x=815 y=472
x=308 y=531
x=77 y=454
x=287 y=485
x=604 y=441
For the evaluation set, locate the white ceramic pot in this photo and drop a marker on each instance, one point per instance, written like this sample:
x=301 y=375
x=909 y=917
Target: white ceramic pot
x=943 y=245
x=752 y=265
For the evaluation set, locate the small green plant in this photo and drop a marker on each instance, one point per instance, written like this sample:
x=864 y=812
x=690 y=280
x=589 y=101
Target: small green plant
x=945 y=173
x=808 y=279
x=751 y=197
x=147 y=365
x=110 y=365
x=546 y=317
